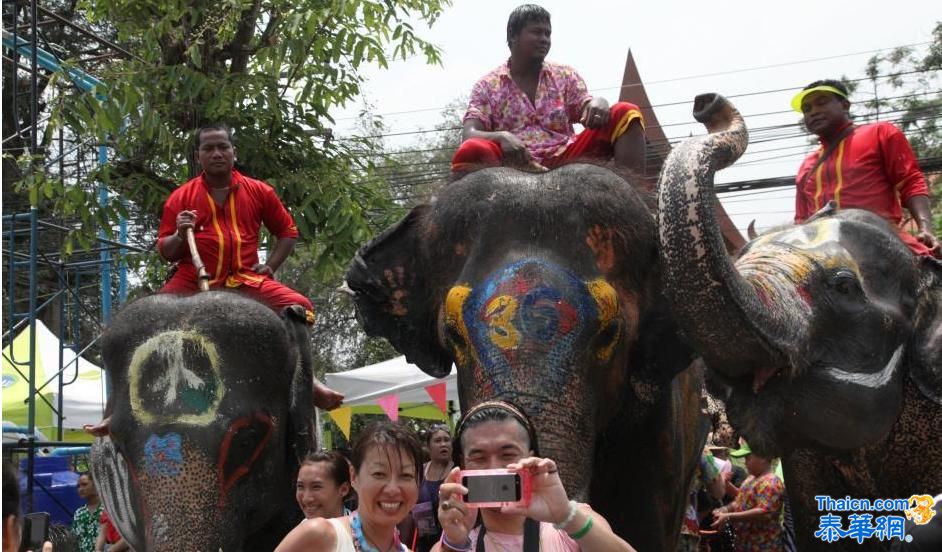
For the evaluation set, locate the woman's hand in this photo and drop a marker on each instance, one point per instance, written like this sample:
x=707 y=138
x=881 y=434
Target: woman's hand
x=549 y=501
x=454 y=515
x=720 y=518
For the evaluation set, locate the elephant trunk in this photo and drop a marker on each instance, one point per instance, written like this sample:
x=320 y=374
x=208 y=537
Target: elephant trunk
x=174 y=495
x=565 y=429
x=565 y=435
x=565 y=426
x=719 y=309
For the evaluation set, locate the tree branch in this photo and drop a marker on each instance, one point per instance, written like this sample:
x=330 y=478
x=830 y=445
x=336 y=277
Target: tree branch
x=238 y=49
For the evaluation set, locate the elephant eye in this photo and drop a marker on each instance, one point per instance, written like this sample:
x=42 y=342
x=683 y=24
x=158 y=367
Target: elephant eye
x=453 y=335
x=603 y=344
x=844 y=282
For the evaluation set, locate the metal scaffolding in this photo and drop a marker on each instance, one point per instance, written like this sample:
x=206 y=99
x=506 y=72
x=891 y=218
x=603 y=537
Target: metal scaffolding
x=32 y=241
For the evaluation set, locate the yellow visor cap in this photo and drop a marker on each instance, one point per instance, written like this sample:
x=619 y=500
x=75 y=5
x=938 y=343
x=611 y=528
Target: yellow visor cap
x=796 y=101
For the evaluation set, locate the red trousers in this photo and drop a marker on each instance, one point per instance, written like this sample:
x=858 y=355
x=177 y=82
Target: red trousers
x=591 y=143
x=271 y=293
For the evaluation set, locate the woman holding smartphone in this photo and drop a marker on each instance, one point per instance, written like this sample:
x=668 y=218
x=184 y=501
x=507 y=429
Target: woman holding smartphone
x=497 y=434
x=387 y=460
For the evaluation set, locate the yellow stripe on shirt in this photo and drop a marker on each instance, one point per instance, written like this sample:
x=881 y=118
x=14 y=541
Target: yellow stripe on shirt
x=222 y=240
x=818 y=185
x=840 y=174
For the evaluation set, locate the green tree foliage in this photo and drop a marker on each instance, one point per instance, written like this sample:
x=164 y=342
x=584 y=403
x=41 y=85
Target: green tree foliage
x=273 y=70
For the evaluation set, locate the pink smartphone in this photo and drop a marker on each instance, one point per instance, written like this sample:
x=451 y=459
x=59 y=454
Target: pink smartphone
x=496 y=488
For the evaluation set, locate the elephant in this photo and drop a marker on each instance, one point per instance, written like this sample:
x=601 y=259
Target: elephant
x=827 y=334
x=211 y=414
x=544 y=289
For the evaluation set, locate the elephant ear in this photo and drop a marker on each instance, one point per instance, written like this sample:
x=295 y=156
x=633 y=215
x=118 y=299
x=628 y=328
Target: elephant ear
x=390 y=286
x=926 y=365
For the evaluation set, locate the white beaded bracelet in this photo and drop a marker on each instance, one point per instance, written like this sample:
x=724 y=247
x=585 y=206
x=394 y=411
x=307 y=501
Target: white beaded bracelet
x=573 y=506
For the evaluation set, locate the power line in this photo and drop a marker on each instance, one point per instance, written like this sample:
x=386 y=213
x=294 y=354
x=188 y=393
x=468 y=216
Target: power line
x=426 y=109
x=757 y=136
x=772 y=66
x=652 y=106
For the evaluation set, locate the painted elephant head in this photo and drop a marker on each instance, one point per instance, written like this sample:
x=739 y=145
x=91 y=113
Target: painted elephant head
x=828 y=333
x=543 y=289
x=211 y=409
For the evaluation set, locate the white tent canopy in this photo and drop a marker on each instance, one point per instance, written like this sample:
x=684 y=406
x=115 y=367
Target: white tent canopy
x=83 y=396
x=364 y=385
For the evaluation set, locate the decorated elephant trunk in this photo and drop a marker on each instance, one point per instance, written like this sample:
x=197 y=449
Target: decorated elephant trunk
x=719 y=309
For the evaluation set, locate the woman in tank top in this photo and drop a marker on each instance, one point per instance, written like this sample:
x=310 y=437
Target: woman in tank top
x=425 y=513
x=323 y=483
x=386 y=474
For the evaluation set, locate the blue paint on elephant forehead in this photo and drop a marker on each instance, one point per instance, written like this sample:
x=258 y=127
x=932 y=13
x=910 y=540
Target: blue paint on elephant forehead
x=163 y=456
x=553 y=305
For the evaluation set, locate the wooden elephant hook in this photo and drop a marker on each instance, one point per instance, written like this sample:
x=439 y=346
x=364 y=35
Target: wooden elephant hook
x=202 y=275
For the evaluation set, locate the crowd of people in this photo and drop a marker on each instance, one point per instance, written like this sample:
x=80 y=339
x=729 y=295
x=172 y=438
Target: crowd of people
x=409 y=503
x=396 y=488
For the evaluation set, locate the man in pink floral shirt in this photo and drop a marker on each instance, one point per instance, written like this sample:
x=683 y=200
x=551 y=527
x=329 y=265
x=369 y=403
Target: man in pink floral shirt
x=521 y=113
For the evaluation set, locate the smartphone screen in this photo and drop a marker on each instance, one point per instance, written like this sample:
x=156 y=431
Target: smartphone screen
x=492 y=488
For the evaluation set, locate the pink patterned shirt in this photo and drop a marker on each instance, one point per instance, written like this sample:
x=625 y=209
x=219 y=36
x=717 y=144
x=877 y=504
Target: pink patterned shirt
x=546 y=127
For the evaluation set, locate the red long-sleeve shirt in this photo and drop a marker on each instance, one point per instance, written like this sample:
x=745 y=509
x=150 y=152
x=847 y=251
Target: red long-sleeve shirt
x=226 y=235
x=872 y=168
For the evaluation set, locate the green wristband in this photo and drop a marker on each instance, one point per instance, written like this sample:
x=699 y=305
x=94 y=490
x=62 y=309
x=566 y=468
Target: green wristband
x=582 y=532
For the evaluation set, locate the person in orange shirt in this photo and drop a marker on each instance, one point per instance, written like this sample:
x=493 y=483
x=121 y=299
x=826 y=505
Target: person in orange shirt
x=226 y=210
x=868 y=166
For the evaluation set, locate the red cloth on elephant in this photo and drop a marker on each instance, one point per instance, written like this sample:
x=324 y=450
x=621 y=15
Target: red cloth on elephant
x=590 y=143
x=227 y=238
x=872 y=168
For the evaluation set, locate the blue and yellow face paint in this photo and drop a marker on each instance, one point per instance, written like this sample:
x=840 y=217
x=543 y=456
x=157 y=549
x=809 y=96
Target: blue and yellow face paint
x=530 y=313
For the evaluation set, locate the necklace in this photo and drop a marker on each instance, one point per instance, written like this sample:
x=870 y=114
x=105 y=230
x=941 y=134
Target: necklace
x=363 y=545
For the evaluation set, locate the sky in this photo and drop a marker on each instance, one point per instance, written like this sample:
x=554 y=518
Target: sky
x=767 y=49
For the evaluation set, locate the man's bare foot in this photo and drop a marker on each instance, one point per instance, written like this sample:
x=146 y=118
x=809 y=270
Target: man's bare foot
x=325 y=397
x=101 y=429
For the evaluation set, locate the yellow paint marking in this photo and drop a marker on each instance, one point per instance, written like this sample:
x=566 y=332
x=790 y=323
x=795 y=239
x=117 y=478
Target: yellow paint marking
x=454 y=318
x=500 y=314
x=168 y=347
x=606 y=298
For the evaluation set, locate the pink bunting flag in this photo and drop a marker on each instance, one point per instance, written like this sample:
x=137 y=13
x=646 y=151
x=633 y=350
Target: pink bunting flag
x=437 y=392
x=390 y=405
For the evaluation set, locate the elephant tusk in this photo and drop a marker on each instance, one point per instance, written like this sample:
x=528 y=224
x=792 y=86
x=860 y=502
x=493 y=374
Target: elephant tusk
x=751 y=231
x=344 y=288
